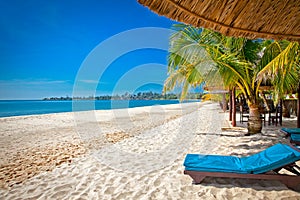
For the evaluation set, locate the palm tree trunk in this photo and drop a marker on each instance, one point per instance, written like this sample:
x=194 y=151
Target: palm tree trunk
x=233 y=108
x=298 y=106
x=230 y=105
x=254 y=122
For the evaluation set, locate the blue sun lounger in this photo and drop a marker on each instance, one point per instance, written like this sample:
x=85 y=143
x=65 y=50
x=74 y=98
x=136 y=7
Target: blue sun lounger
x=295 y=138
x=293 y=134
x=263 y=165
x=289 y=131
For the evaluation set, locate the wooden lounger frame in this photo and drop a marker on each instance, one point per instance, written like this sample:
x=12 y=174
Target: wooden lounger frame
x=291 y=181
x=294 y=142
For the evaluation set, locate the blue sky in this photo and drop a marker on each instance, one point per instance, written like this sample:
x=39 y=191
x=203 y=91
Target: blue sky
x=45 y=43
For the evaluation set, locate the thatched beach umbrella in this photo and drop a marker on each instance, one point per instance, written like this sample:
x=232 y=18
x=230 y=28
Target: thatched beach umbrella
x=270 y=19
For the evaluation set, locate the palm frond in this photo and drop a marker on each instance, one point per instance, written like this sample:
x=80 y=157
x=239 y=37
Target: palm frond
x=199 y=55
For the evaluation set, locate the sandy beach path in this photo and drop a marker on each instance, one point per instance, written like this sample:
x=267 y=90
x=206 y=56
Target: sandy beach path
x=33 y=144
x=148 y=163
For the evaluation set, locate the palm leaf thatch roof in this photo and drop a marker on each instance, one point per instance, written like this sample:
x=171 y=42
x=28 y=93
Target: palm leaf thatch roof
x=270 y=19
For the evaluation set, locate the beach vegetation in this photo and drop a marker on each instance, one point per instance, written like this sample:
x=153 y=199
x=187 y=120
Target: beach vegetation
x=199 y=56
x=128 y=96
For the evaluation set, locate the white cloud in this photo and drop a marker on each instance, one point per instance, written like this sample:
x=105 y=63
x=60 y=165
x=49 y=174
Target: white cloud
x=29 y=82
x=89 y=81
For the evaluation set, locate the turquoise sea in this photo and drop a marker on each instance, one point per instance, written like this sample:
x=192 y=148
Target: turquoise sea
x=32 y=107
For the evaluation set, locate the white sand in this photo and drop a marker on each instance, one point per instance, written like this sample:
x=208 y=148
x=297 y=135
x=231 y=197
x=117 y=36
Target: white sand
x=127 y=154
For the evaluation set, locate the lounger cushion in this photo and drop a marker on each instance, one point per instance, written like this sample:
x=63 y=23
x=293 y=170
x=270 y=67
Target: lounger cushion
x=269 y=159
x=295 y=137
x=213 y=163
x=291 y=130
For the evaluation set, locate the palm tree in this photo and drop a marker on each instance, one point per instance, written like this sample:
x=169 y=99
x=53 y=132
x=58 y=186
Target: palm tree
x=200 y=55
x=281 y=61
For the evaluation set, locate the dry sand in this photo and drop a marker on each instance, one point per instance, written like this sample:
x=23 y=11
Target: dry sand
x=132 y=153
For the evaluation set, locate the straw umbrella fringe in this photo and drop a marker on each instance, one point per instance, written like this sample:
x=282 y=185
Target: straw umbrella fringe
x=239 y=18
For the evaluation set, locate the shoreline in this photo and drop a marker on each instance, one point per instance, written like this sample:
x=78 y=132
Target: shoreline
x=151 y=144
x=92 y=108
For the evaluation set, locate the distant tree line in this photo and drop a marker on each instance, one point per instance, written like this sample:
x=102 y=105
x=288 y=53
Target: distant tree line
x=126 y=96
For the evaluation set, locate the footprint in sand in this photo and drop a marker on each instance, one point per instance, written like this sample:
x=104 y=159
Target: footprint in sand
x=157 y=182
x=109 y=190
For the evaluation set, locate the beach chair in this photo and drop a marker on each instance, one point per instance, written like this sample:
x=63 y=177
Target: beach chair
x=263 y=165
x=293 y=134
x=275 y=117
x=244 y=113
x=295 y=139
x=289 y=131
